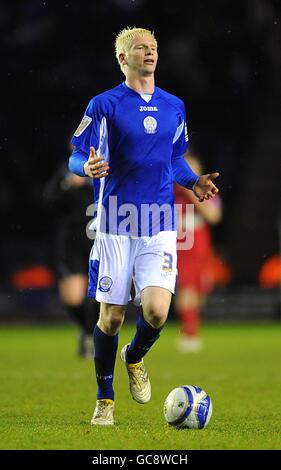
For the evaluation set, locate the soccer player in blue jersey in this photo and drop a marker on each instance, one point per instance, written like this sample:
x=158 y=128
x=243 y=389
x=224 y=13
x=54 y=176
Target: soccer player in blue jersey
x=131 y=141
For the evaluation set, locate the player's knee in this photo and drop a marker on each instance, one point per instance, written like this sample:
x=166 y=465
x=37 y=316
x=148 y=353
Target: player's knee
x=72 y=290
x=188 y=298
x=111 y=319
x=115 y=322
x=73 y=302
x=156 y=314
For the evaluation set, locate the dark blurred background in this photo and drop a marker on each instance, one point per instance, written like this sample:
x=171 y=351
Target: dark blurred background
x=221 y=57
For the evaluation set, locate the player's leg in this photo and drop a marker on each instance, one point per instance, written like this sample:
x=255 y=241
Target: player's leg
x=110 y=278
x=188 y=302
x=72 y=289
x=106 y=344
x=155 y=274
x=72 y=253
x=155 y=304
x=155 y=278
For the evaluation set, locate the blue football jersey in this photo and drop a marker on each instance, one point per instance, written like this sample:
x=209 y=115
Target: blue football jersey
x=139 y=140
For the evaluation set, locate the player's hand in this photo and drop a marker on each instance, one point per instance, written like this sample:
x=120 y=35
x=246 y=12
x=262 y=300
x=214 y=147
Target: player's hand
x=204 y=187
x=95 y=167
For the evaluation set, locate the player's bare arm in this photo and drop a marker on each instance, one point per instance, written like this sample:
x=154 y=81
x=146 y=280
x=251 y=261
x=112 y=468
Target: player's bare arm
x=204 y=188
x=96 y=167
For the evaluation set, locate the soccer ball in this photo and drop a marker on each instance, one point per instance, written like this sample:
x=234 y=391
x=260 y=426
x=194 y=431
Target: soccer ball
x=188 y=406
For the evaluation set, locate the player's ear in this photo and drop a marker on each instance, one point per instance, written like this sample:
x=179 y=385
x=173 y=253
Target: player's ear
x=122 y=59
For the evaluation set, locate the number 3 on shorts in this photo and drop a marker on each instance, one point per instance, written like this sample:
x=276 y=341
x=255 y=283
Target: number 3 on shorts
x=168 y=262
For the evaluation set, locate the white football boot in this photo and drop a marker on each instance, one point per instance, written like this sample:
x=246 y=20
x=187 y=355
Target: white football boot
x=139 y=383
x=103 y=414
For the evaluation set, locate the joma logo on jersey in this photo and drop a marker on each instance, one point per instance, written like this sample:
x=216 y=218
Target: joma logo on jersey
x=148 y=108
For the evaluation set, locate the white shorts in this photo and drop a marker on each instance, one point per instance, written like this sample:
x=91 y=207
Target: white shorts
x=117 y=260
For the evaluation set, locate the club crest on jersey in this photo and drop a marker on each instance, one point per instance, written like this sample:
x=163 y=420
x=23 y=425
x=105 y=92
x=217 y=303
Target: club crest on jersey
x=105 y=284
x=86 y=120
x=150 y=125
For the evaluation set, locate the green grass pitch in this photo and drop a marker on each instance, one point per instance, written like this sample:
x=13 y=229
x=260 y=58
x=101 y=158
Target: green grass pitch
x=47 y=394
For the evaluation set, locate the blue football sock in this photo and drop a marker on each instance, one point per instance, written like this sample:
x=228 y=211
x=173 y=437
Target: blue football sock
x=143 y=340
x=105 y=354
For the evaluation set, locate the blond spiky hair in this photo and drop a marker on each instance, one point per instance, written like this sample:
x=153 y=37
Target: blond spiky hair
x=125 y=38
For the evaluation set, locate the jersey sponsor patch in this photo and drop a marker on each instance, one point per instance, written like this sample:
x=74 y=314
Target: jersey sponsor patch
x=86 y=120
x=148 y=108
x=150 y=125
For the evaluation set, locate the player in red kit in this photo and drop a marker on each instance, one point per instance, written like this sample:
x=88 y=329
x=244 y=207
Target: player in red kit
x=194 y=280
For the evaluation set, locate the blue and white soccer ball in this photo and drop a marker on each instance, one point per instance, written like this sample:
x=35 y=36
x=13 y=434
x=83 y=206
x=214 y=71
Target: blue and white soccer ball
x=188 y=406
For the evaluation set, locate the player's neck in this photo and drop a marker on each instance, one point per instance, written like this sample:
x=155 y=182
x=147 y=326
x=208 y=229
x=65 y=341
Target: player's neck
x=141 y=84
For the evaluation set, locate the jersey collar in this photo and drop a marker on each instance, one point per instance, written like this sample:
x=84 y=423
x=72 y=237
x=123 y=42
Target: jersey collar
x=133 y=92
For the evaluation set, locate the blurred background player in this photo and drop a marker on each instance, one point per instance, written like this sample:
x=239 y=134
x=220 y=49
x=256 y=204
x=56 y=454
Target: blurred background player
x=68 y=196
x=194 y=279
